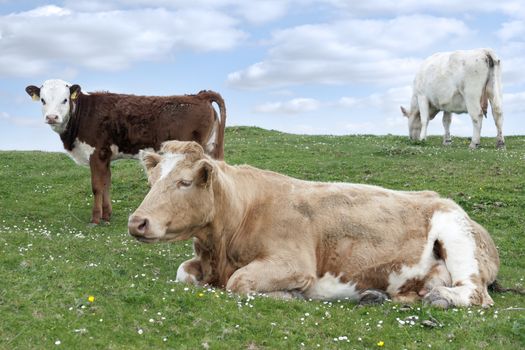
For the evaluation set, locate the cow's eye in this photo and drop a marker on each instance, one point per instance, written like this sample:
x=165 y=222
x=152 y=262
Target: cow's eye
x=65 y=101
x=43 y=101
x=184 y=183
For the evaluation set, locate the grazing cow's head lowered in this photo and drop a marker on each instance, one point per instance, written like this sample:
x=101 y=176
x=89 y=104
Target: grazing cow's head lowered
x=414 y=123
x=181 y=198
x=57 y=98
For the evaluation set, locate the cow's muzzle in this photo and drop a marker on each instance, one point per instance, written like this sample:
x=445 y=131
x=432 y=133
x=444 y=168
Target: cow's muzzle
x=138 y=226
x=52 y=119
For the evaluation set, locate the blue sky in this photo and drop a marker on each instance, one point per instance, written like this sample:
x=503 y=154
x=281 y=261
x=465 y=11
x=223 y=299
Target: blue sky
x=300 y=66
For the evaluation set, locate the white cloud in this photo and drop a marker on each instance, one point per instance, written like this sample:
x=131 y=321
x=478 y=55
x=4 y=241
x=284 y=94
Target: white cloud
x=511 y=30
x=262 y=11
x=447 y=7
x=45 y=11
x=51 y=37
x=349 y=51
x=256 y=12
x=294 y=106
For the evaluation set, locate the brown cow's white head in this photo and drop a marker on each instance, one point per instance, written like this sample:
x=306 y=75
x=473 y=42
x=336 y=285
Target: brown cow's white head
x=57 y=98
x=181 y=200
x=414 y=122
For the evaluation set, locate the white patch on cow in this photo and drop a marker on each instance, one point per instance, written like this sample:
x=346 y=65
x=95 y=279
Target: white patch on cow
x=183 y=276
x=116 y=154
x=330 y=287
x=169 y=163
x=211 y=143
x=81 y=152
x=454 y=232
x=420 y=270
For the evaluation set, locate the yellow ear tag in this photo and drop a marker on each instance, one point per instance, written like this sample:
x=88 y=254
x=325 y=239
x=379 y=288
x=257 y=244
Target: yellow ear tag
x=74 y=95
x=35 y=97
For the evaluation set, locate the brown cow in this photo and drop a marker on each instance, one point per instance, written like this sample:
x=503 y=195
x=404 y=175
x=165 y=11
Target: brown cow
x=257 y=231
x=100 y=127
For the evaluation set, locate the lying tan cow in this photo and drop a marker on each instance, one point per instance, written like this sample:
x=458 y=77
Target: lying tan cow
x=259 y=231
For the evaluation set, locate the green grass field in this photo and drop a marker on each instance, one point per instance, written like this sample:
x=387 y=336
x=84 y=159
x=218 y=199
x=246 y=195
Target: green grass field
x=51 y=262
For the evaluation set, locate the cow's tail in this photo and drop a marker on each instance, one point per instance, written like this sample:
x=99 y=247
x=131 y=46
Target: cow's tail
x=498 y=288
x=492 y=90
x=219 y=137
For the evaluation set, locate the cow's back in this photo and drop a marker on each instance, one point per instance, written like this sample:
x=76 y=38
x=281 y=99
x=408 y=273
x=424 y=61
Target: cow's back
x=129 y=123
x=445 y=78
x=360 y=225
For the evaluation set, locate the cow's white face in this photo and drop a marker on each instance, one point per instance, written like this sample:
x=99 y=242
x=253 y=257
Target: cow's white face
x=414 y=123
x=414 y=127
x=56 y=97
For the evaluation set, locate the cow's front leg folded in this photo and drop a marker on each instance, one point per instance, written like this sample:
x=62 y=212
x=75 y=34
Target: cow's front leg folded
x=190 y=272
x=276 y=278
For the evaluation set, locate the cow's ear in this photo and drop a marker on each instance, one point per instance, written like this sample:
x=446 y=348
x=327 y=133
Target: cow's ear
x=34 y=92
x=404 y=112
x=149 y=159
x=74 y=91
x=204 y=173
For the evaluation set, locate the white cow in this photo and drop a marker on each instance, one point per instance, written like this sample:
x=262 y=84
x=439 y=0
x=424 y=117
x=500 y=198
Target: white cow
x=456 y=82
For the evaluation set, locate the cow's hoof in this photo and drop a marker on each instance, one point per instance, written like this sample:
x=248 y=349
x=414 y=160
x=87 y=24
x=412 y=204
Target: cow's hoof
x=447 y=142
x=440 y=303
x=500 y=144
x=372 y=296
x=473 y=145
x=92 y=224
x=437 y=300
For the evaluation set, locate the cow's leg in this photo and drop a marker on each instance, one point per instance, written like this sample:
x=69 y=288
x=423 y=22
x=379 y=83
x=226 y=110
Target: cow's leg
x=498 y=120
x=477 y=121
x=190 y=272
x=106 y=200
x=100 y=178
x=476 y=114
x=424 y=114
x=270 y=276
x=447 y=119
x=454 y=230
x=494 y=94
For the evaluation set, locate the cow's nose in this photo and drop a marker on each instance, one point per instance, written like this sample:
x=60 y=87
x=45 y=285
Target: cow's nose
x=51 y=118
x=138 y=226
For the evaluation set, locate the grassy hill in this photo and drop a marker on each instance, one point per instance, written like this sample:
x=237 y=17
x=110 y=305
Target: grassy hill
x=51 y=262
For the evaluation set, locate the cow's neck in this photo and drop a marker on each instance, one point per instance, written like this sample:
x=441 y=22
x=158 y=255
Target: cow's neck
x=70 y=133
x=234 y=195
x=239 y=196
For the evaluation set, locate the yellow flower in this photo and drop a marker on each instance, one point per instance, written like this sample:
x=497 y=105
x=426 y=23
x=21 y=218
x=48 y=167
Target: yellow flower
x=381 y=343
x=200 y=294
x=91 y=298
